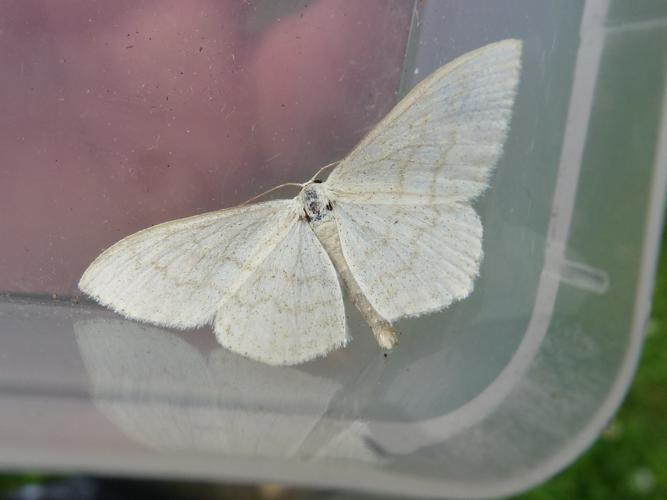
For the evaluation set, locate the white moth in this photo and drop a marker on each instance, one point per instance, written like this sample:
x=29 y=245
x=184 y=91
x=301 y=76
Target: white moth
x=393 y=223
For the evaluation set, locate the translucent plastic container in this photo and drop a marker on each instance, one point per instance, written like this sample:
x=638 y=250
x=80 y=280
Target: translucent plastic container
x=121 y=115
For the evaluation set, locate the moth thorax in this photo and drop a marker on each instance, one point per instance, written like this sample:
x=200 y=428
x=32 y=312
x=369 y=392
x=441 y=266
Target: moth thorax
x=316 y=204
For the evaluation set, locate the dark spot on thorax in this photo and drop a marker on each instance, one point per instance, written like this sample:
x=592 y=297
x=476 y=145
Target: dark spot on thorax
x=316 y=204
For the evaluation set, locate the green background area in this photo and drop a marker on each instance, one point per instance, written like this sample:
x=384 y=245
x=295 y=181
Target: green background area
x=629 y=461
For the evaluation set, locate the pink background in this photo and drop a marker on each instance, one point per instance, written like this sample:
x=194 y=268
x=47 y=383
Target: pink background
x=120 y=115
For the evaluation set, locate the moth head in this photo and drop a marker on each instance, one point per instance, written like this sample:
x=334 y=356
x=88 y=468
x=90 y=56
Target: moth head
x=316 y=201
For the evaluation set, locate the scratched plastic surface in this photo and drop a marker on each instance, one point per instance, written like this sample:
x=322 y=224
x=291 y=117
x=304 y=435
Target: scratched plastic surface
x=487 y=398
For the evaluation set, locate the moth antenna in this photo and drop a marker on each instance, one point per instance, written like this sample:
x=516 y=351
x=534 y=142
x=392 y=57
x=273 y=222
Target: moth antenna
x=297 y=184
x=322 y=170
x=270 y=190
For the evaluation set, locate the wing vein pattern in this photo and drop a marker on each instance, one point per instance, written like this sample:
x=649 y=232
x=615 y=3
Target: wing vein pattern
x=176 y=273
x=403 y=197
x=257 y=272
x=440 y=143
x=290 y=309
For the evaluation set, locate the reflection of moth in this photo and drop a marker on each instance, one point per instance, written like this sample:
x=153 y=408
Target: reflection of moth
x=161 y=391
x=393 y=222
